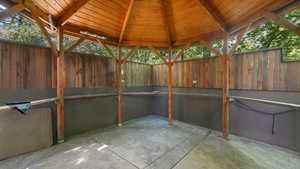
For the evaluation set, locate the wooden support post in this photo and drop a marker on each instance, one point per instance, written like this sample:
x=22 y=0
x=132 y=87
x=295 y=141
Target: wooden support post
x=169 y=62
x=119 y=86
x=119 y=64
x=225 y=97
x=226 y=78
x=60 y=87
x=170 y=93
x=119 y=90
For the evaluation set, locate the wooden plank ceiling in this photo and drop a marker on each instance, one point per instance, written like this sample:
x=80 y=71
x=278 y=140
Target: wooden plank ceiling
x=160 y=23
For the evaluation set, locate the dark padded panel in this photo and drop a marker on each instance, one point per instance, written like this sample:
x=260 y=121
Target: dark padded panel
x=18 y=95
x=259 y=127
x=88 y=114
x=206 y=112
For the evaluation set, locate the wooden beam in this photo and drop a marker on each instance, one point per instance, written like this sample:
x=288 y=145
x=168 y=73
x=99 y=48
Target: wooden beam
x=65 y=16
x=104 y=46
x=214 y=13
x=158 y=54
x=279 y=20
x=258 y=14
x=131 y=53
x=119 y=85
x=225 y=88
x=11 y=11
x=181 y=52
x=239 y=38
x=44 y=31
x=167 y=22
x=60 y=87
x=288 y=8
x=125 y=22
x=74 y=45
x=226 y=78
x=208 y=45
x=170 y=93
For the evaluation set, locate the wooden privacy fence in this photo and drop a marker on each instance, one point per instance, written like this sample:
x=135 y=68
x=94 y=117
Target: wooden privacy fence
x=261 y=70
x=25 y=66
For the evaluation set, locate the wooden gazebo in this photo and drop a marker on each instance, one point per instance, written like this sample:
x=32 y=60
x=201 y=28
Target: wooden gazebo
x=155 y=24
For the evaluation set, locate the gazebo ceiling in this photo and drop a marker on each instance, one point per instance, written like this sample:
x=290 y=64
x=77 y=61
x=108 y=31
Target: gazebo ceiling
x=159 y=23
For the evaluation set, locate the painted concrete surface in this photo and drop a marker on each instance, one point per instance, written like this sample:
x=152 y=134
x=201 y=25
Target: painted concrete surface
x=143 y=143
x=24 y=133
x=238 y=153
x=150 y=143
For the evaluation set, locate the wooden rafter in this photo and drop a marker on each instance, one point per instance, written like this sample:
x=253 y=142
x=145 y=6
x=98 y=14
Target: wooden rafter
x=44 y=31
x=166 y=21
x=258 y=14
x=11 y=11
x=214 y=13
x=74 y=45
x=125 y=22
x=65 y=16
x=279 y=20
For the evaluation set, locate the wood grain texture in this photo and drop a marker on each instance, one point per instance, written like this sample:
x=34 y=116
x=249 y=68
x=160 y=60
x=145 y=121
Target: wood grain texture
x=262 y=70
x=26 y=67
x=157 y=23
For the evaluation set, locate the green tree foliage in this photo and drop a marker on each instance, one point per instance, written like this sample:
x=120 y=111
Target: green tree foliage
x=271 y=35
x=19 y=29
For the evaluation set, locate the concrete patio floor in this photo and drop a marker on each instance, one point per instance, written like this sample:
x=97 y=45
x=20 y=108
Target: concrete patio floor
x=150 y=143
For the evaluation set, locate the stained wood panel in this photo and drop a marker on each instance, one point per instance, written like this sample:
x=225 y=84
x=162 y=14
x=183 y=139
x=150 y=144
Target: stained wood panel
x=262 y=70
x=137 y=74
x=26 y=67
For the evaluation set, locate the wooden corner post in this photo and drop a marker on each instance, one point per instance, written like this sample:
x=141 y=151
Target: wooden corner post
x=225 y=88
x=60 y=61
x=119 y=87
x=170 y=62
x=170 y=92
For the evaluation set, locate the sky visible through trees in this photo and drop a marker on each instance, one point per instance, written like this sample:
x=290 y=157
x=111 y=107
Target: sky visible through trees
x=269 y=35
